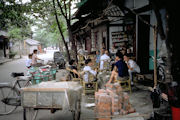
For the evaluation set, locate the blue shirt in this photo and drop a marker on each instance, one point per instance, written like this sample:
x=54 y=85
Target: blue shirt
x=122 y=68
x=97 y=58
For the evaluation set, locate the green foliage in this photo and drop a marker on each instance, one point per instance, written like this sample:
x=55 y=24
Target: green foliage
x=17 y=33
x=48 y=34
x=47 y=31
x=13 y=13
x=12 y=54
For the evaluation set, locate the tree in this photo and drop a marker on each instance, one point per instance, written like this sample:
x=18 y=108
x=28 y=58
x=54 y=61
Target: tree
x=39 y=10
x=60 y=30
x=18 y=34
x=12 y=13
x=65 y=9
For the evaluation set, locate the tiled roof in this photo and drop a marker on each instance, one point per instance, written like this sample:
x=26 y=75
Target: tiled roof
x=32 y=42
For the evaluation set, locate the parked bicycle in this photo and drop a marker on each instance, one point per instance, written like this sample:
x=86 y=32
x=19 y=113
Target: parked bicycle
x=160 y=68
x=10 y=97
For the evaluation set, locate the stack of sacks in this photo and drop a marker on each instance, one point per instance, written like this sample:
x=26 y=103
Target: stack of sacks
x=112 y=101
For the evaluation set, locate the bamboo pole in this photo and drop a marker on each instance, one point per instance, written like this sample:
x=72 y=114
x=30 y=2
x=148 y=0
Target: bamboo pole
x=155 y=56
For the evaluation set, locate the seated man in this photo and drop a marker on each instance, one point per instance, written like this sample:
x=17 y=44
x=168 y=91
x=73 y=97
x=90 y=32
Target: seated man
x=132 y=67
x=73 y=67
x=87 y=68
x=103 y=58
x=129 y=53
x=120 y=71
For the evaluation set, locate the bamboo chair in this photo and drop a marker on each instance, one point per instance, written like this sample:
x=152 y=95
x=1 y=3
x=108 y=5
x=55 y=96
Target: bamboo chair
x=125 y=84
x=94 y=85
x=91 y=57
x=80 y=61
x=72 y=76
x=106 y=66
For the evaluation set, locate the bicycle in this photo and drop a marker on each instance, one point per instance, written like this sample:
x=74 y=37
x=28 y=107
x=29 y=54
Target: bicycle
x=160 y=69
x=10 y=97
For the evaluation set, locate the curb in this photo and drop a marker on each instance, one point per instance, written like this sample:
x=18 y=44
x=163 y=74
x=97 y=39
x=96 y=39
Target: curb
x=5 y=61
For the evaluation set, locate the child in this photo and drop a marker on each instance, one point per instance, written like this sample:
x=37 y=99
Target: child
x=29 y=61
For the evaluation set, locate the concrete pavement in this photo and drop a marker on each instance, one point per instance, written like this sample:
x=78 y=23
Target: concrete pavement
x=4 y=60
x=139 y=98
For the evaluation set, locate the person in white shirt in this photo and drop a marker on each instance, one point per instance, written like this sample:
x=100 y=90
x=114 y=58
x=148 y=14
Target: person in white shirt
x=103 y=58
x=29 y=61
x=87 y=69
x=132 y=67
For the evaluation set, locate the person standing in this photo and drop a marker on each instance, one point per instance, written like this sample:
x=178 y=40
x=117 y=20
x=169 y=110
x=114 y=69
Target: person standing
x=132 y=67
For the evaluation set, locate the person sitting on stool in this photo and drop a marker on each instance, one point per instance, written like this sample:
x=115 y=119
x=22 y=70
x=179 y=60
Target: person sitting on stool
x=132 y=67
x=120 y=71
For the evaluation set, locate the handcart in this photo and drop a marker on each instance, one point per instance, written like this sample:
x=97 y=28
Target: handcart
x=51 y=95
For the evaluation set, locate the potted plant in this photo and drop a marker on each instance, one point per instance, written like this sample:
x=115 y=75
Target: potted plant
x=12 y=54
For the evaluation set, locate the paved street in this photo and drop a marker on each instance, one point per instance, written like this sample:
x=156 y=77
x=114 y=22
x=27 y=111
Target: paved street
x=19 y=66
x=140 y=99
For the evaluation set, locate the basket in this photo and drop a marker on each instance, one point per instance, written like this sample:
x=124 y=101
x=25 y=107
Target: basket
x=53 y=73
x=37 y=78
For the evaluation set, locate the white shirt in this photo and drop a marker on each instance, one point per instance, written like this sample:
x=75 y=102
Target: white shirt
x=133 y=65
x=103 y=58
x=88 y=68
x=81 y=51
x=28 y=62
x=113 y=51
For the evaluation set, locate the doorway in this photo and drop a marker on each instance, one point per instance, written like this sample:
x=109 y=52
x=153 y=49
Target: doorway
x=143 y=44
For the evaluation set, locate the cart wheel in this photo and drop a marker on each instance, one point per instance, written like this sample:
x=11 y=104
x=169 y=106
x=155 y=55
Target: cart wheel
x=30 y=113
x=7 y=92
x=77 y=112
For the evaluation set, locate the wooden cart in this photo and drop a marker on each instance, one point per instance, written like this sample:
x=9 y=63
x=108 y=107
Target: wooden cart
x=51 y=96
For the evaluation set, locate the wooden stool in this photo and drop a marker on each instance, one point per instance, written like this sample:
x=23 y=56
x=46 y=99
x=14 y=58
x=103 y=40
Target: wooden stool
x=140 y=76
x=126 y=86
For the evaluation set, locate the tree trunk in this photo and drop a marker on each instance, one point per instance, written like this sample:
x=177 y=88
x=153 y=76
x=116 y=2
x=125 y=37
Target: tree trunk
x=74 y=47
x=20 y=49
x=60 y=30
x=4 y=48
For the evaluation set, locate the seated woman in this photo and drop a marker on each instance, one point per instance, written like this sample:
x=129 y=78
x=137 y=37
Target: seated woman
x=120 y=70
x=87 y=68
x=73 y=67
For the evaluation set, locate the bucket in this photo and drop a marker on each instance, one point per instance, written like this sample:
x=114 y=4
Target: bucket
x=175 y=113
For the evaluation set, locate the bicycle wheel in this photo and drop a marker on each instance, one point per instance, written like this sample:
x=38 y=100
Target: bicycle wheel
x=30 y=113
x=5 y=93
x=77 y=112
